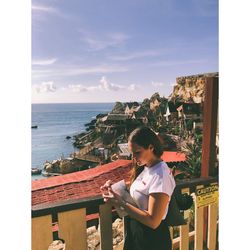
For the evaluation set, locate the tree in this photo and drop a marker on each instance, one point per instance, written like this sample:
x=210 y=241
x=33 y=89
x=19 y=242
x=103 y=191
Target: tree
x=189 y=124
x=118 y=108
x=155 y=96
x=146 y=103
x=193 y=151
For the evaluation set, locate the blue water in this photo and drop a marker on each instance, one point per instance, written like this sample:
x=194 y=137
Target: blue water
x=55 y=122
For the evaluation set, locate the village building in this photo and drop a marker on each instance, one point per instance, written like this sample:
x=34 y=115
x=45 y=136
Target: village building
x=190 y=113
x=131 y=107
x=172 y=107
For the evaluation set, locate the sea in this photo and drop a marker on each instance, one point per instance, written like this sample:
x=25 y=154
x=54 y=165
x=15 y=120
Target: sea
x=55 y=122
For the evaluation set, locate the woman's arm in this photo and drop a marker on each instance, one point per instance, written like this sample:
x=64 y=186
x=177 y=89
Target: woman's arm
x=152 y=217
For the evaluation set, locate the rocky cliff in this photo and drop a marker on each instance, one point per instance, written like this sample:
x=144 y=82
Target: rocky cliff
x=190 y=88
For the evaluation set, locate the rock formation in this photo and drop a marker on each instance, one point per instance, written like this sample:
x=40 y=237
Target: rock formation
x=190 y=88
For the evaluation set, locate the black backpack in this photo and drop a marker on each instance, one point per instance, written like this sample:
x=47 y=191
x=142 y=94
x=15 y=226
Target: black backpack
x=177 y=203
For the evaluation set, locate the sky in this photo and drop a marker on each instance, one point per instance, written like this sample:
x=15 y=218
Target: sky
x=111 y=50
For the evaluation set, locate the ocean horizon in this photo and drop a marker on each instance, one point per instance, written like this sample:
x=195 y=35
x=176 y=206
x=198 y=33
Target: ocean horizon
x=55 y=121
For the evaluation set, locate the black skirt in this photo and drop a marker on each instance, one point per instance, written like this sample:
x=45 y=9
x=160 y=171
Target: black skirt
x=141 y=237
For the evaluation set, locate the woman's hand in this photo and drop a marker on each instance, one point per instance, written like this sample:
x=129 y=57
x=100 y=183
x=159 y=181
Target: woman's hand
x=104 y=188
x=109 y=195
x=112 y=198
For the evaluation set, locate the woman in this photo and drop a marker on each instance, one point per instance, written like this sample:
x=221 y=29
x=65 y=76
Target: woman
x=151 y=186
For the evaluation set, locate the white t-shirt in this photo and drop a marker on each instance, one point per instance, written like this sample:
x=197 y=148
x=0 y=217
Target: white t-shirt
x=155 y=179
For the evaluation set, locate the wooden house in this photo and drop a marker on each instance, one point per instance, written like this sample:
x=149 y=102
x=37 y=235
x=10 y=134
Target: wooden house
x=131 y=107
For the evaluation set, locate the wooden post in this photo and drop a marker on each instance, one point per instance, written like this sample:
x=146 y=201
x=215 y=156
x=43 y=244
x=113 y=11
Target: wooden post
x=210 y=114
x=105 y=225
x=171 y=231
x=199 y=232
x=41 y=232
x=212 y=223
x=184 y=237
x=73 y=229
x=184 y=229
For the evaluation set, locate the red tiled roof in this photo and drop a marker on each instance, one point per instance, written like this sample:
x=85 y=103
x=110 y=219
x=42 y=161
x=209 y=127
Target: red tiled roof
x=169 y=156
x=78 y=185
x=84 y=175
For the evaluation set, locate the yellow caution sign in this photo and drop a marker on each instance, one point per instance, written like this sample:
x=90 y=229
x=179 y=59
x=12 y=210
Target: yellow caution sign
x=207 y=195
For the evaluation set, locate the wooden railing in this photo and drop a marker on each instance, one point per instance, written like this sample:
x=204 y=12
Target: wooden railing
x=71 y=217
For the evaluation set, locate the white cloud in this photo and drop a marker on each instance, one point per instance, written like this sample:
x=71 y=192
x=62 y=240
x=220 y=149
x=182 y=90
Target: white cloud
x=109 y=86
x=157 y=84
x=45 y=87
x=81 y=88
x=40 y=12
x=105 y=41
x=43 y=8
x=132 y=87
x=77 y=88
x=130 y=56
x=44 y=62
x=104 y=85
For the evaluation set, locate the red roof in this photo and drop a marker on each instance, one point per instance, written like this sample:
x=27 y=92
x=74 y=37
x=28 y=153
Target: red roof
x=78 y=185
x=169 y=156
x=84 y=175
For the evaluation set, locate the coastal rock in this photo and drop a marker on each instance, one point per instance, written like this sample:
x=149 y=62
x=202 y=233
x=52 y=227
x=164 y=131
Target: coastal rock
x=66 y=166
x=48 y=167
x=52 y=167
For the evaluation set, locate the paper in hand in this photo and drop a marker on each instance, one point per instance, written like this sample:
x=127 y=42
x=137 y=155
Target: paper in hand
x=120 y=188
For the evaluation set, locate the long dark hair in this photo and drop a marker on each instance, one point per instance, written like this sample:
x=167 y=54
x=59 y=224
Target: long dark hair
x=143 y=137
